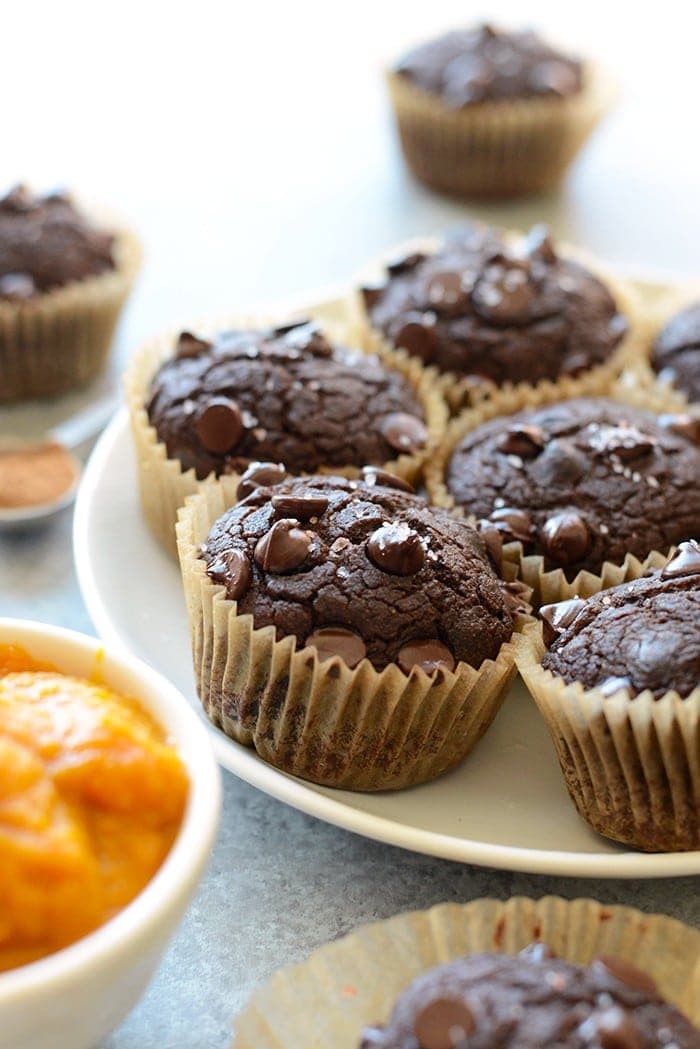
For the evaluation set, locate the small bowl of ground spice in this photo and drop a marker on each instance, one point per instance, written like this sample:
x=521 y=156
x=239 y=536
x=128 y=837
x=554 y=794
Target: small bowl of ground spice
x=36 y=480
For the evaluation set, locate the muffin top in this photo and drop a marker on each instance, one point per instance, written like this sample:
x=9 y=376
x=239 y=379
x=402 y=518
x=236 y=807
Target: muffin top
x=482 y=305
x=583 y=481
x=281 y=393
x=360 y=568
x=495 y=1001
x=676 y=352
x=46 y=243
x=641 y=635
x=484 y=64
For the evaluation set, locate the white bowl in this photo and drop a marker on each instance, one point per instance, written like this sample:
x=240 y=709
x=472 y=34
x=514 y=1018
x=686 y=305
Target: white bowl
x=72 y=999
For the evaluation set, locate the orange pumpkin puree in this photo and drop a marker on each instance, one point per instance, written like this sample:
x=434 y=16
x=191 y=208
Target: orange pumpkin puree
x=91 y=800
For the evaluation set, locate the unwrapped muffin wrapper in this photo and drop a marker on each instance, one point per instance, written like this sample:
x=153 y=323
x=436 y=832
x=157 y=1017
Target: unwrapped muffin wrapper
x=361 y=729
x=461 y=391
x=164 y=485
x=504 y=148
x=353 y=983
x=631 y=766
x=60 y=340
x=547 y=585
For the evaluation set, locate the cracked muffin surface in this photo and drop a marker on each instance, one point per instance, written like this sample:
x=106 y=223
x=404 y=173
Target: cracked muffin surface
x=282 y=393
x=361 y=568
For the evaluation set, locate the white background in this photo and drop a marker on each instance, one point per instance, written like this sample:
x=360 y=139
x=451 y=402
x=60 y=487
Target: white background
x=251 y=143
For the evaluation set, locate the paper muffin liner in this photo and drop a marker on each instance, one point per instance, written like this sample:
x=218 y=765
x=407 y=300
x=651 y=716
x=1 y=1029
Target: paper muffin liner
x=460 y=391
x=353 y=982
x=631 y=766
x=547 y=585
x=361 y=729
x=496 y=149
x=164 y=485
x=60 y=340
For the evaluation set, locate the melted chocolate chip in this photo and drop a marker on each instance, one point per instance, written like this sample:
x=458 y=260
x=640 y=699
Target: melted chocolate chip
x=504 y=294
x=686 y=560
x=561 y=463
x=301 y=506
x=684 y=424
x=405 y=263
x=260 y=475
x=405 y=433
x=624 y=441
x=235 y=571
x=626 y=973
x=428 y=654
x=514 y=525
x=557 y=617
x=396 y=548
x=565 y=538
x=524 y=441
x=283 y=548
x=447 y=293
x=538 y=244
x=417 y=338
x=372 y=475
x=336 y=641
x=188 y=345
x=615 y=1029
x=443 y=1024
x=220 y=426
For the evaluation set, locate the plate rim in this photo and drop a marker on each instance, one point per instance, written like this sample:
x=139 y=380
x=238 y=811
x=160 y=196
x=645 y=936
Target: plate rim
x=244 y=763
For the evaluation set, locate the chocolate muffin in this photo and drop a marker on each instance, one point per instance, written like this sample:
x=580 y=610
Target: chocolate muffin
x=360 y=569
x=581 y=482
x=641 y=636
x=45 y=243
x=676 y=352
x=284 y=393
x=468 y=66
x=505 y=310
x=495 y=1001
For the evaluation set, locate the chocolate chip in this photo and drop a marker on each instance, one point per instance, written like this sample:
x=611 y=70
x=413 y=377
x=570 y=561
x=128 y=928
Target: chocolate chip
x=371 y=295
x=624 y=441
x=538 y=244
x=615 y=1029
x=405 y=263
x=219 y=426
x=188 y=345
x=397 y=549
x=301 y=506
x=447 y=293
x=233 y=569
x=524 y=441
x=443 y=1024
x=18 y=287
x=561 y=463
x=429 y=654
x=260 y=474
x=626 y=973
x=493 y=541
x=336 y=641
x=417 y=338
x=504 y=294
x=565 y=537
x=684 y=424
x=514 y=525
x=611 y=685
x=686 y=561
x=372 y=475
x=557 y=617
x=405 y=433
x=283 y=548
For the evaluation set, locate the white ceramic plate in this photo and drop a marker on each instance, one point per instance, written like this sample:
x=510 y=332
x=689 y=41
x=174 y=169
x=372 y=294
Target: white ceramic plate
x=506 y=806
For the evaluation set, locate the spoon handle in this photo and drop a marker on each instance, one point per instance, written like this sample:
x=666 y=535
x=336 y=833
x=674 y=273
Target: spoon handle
x=86 y=424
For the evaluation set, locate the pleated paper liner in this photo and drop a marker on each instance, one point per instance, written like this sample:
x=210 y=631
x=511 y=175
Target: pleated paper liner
x=164 y=485
x=353 y=982
x=360 y=729
x=60 y=341
x=461 y=391
x=497 y=149
x=547 y=585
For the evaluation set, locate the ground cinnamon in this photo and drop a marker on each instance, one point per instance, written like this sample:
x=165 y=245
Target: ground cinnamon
x=34 y=475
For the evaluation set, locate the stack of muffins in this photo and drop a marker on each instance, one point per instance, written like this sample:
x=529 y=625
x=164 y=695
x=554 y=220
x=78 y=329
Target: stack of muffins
x=362 y=635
